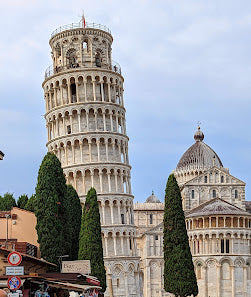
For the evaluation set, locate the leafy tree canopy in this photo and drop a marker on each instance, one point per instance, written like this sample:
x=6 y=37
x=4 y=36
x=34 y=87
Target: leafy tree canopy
x=7 y=202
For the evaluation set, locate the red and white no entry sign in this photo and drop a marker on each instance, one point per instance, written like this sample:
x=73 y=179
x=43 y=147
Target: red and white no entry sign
x=14 y=258
x=14 y=283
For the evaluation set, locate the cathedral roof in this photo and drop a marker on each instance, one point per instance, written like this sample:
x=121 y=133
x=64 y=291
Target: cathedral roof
x=216 y=206
x=199 y=156
x=152 y=199
x=148 y=206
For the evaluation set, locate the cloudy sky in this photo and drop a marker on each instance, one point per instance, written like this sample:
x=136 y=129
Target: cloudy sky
x=183 y=61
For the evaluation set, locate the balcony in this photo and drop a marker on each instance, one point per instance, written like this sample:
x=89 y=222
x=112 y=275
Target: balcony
x=79 y=25
x=115 y=67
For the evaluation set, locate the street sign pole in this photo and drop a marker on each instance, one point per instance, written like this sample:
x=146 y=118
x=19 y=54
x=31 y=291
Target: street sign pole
x=14 y=282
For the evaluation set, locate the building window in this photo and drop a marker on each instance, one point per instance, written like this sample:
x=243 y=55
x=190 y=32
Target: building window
x=227 y=246
x=192 y=193
x=73 y=93
x=156 y=237
x=222 y=179
x=130 y=241
x=69 y=129
x=222 y=246
x=117 y=282
x=214 y=193
x=205 y=179
x=84 y=45
x=98 y=60
x=151 y=218
x=122 y=218
x=235 y=193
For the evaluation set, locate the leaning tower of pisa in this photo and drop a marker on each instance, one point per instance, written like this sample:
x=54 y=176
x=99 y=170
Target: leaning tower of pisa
x=85 y=120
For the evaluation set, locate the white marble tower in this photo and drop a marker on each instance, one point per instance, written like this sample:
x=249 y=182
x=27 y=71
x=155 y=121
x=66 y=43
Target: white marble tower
x=85 y=119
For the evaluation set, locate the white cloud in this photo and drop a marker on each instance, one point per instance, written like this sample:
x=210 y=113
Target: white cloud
x=201 y=33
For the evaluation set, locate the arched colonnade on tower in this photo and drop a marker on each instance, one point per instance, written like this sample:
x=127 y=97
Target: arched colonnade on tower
x=105 y=179
x=86 y=150
x=89 y=119
x=116 y=211
x=83 y=89
x=119 y=242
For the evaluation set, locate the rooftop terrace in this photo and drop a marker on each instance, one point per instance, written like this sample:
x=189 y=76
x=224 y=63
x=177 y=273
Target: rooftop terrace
x=80 y=25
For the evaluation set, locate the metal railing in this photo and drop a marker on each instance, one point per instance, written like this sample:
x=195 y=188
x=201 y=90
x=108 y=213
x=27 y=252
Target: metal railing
x=115 y=67
x=80 y=25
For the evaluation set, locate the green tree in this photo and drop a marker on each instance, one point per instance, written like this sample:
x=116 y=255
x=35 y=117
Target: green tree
x=50 y=193
x=31 y=203
x=7 y=202
x=179 y=275
x=1 y=203
x=22 y=200
x=73 y=211
x=90 y=241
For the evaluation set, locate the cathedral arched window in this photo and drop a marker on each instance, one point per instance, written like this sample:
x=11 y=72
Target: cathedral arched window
x=225 y=246
x=235 y=193
x=205 y=179
x=222 y=179
x=151 y=218
x=214 y=193
x=222 y=246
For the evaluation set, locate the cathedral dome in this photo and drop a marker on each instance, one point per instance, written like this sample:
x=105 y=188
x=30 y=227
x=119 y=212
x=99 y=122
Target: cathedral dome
x=152 y=199
x=199 y=156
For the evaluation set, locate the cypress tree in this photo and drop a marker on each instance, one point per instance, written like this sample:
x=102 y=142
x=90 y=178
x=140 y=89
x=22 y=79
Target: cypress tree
x=179 y=275
x=31 y=203
x=73 y=211
x=50 y=195
x=22 y=200
x=90 y=241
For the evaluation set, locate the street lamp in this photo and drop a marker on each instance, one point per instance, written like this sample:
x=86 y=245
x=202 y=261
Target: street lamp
x=8 y=216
